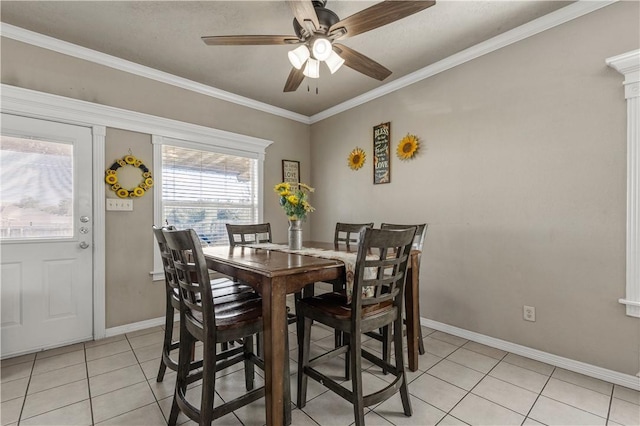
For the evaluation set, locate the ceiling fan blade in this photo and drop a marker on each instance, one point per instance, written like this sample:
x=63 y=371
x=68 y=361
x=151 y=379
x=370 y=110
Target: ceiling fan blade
x=361 y=63
x=293 y=81
x=379 y=14
x=249 y=40
x=305 y=14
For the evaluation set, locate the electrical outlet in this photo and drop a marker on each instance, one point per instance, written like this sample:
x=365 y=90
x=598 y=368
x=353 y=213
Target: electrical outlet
x=529 y=313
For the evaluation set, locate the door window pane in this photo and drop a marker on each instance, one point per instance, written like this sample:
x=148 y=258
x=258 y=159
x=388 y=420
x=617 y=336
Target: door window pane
x=36 y=189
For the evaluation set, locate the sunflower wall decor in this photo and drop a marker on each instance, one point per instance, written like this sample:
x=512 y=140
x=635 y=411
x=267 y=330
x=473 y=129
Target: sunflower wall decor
x=357 y=157
x=111 y=177
x=408 y=147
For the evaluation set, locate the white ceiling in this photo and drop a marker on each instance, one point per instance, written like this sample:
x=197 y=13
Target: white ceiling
x=165 y=35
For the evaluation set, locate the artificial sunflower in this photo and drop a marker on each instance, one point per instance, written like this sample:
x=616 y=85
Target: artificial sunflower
x=407 y=147
x=357 y=158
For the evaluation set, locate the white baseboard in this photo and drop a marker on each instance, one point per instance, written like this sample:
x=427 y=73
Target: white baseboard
x=611 y=376
x=135 y=326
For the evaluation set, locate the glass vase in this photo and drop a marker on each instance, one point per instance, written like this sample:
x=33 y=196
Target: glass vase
x=295 y=234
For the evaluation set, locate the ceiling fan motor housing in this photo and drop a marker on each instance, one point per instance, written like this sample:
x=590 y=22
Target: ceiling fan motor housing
x=326 y=18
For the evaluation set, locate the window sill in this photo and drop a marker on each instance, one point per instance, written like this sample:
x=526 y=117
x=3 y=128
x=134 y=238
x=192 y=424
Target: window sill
x=633 y=308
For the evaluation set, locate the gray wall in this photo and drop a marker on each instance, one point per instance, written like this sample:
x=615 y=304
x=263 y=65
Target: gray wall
x=131 y=295
x=522 y=179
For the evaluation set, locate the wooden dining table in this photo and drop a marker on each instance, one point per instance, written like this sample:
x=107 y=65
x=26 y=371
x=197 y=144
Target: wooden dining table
x=274 y=274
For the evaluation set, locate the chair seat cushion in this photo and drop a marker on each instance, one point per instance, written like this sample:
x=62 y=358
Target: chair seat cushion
x=241 y=312
x=336 y=305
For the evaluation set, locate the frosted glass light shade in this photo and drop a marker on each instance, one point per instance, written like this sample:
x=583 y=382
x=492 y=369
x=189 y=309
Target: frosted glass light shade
x=334 y=62
x=312 y=70
x=298 y=56
x=321 y=48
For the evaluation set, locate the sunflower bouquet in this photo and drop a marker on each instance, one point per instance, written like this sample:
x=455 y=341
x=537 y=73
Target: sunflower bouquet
x=294 y=201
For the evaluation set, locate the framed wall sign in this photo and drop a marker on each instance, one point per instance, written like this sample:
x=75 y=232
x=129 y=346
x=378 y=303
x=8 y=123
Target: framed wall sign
x=291 y=172
x=382 y=153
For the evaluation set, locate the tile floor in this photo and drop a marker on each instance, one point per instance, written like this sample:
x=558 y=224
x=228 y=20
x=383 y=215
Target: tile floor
x=112 y=382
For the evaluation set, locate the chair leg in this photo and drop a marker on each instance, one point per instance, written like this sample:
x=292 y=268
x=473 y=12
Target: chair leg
x=168 y=338
x=386 y=346
x=338 y=337
x=355 y=359
x=397 y=345
x=347 y=364
x=421 y=350
x=161 y=371
x=259 y=344
x=304 y=346
x=184 y=361
x=208 y=384
x=249 y=367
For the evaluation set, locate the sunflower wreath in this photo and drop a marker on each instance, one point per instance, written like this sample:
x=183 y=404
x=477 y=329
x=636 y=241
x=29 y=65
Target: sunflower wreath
x=408 y=147
x=111 y=177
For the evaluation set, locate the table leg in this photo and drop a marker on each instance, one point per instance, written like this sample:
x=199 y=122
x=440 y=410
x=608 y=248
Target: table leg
x=411 y=309
x=275 y=331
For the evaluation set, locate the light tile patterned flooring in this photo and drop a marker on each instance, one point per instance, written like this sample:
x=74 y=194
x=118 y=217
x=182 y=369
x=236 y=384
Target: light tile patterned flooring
x=112 y=382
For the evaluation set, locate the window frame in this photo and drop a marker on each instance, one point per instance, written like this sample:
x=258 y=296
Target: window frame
x=230 y=144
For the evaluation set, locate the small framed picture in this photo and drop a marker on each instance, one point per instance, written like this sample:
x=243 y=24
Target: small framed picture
x=291 y=172
x=382 y=153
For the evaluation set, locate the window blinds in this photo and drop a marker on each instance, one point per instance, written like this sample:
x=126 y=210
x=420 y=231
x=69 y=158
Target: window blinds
x=204 y=190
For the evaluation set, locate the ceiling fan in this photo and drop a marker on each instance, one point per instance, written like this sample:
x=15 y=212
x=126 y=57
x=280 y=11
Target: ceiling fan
x=316 y=31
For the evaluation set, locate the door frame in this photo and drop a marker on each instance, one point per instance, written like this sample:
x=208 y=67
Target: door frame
x=37 y=105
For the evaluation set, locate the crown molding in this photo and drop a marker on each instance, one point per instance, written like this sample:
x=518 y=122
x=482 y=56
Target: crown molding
x=559 y=17
x=553 y=19
x=73 y=50
x=18 y=100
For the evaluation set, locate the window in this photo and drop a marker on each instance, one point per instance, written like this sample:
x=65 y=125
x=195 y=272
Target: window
x=204 y=190
x=37 y=177
x=205 y=184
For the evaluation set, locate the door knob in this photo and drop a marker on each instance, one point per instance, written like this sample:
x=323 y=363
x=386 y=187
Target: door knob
x=84 y=245
x=84 y=219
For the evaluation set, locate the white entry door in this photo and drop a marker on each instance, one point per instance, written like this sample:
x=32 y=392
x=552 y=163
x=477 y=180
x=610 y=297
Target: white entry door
x=46 y=257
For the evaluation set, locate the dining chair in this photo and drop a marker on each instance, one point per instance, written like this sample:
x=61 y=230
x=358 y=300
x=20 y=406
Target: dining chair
x=249 y=234
x=346 y=235
x=418 y=244
x=220 y=287
x=210 y=320
x=256 y=234
x=383 y=334
x=349 y=233
x=381 y=262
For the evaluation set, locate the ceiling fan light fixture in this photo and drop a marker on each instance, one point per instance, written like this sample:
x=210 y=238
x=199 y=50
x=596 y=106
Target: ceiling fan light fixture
x=334 y=62
x=321 y=48
x=312 y=70
x=299 y=56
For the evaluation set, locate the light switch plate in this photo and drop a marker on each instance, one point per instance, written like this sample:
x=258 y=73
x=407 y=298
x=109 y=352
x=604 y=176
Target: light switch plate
x=117 y=204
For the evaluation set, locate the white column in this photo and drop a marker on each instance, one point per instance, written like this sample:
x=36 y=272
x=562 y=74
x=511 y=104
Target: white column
x=628 y=64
